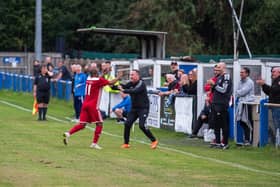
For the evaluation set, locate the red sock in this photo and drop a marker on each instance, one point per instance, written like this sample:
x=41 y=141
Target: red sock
x=76 y=128
x=97 y=133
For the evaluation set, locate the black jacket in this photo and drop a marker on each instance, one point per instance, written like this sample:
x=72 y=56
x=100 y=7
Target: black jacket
x=43 y=83
x=273 y=91
x=222 y=90
x=138 y=94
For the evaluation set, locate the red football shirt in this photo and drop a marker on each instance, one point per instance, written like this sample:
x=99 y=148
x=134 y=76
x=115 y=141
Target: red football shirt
x=94 y=87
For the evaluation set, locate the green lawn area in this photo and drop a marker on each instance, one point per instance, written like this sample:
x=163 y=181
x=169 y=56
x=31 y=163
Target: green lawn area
x=32 y=154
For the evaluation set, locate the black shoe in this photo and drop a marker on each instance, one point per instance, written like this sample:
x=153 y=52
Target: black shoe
x=193 y=136
x=39 y=119
x=120 y=121
x=214 y=145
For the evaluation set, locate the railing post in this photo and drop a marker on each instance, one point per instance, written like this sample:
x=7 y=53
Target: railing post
x=68 y=88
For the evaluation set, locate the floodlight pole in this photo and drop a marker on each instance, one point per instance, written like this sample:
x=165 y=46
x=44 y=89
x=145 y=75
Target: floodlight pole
x=38 y=30
x=236 y=32
x=240 y=29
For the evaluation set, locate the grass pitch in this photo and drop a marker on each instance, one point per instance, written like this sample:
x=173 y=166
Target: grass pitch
x=32 y=154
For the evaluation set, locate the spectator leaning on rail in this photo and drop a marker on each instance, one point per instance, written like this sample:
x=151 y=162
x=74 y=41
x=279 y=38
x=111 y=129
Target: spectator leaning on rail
x=173 y=87
x=222 y=91
x=63 y=72
x=50 y=66
x=273 y=93
x=245 y=93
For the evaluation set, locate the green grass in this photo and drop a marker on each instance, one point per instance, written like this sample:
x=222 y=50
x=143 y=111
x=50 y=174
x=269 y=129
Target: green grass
x=32 y=154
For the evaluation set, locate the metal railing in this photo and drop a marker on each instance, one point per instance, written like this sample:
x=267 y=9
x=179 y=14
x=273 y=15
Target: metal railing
x=24 y=83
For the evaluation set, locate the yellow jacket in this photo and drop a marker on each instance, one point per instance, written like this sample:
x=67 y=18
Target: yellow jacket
x=109 y=88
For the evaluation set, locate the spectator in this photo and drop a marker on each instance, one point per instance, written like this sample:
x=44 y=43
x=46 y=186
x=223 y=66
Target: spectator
x=180 y=73
x=208 y=87
x=222 y=91
x=184 y=84
x=36 y=68
x=273 y=93
x=79 y=90
x=202 y=118
x=50 y=66
x=73 y=71
x=106 y=73
x=173 y=87
x=41 y=90
x=174 y=69
x=193 y=82
x=48 y=60
x=121 y=109
x=63 y=72
x=245 y=93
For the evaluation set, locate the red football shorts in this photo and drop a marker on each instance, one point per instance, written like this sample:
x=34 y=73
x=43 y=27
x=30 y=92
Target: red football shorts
x=89 y=114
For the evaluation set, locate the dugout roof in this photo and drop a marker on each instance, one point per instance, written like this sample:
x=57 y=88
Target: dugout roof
x=152 y=42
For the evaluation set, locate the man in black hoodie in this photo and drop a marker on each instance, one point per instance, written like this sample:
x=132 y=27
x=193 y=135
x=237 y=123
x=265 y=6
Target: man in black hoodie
x=139 y=109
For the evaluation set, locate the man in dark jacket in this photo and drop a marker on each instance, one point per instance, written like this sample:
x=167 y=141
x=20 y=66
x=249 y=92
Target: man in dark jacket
x=222 y=91
x=273 y=93
x=139 y=109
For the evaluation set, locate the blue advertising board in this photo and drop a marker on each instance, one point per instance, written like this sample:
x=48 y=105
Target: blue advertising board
x=12 y=60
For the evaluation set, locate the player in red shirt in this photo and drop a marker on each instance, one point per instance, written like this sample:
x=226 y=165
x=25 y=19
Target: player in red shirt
x=90 y=112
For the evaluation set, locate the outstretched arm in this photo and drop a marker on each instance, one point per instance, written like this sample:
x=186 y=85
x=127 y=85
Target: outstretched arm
x=119 y=76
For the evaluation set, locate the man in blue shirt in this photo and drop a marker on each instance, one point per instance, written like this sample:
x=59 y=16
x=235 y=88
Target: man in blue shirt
x=121 y=110
x=79 y=90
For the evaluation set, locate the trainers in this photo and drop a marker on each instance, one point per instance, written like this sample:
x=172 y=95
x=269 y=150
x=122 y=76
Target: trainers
x=125 y=146
x=154 y=144
x=66 y=137
x=95 y=146
x=246 y=143
x=75 y=120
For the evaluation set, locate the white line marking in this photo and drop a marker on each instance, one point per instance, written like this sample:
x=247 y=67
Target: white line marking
x=232 y=164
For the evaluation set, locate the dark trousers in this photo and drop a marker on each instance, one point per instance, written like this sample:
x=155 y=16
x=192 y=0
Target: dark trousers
x=198 y=124
x=246 y=129
x=142 y=114
x=220 y=121
x=78 y=102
